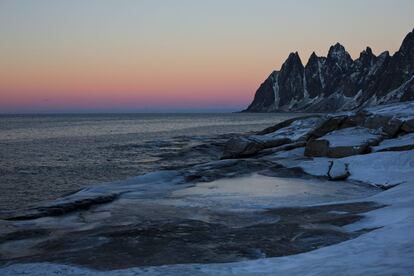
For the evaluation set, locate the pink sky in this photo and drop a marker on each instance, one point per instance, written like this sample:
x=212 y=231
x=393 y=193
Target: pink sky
x=196 y=55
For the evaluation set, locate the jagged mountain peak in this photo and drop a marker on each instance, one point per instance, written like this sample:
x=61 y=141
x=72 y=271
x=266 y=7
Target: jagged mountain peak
x=367 y=51
x=407 y=46
x=384 y=54
x=336 y=50
x=293 y=56
x=337 y=82
x=339 y=56
x=313 y=58
x=292 y=61
x=366 y=57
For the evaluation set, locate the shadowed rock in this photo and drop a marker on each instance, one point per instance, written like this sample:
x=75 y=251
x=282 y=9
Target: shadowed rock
x=387 y=124
x=331 y=124
x=62 y=208
x=317 y=148
x=408 y=125
x=241 y=147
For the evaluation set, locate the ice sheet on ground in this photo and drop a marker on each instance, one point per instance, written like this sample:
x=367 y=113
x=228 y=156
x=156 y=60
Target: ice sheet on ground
x=259 y=191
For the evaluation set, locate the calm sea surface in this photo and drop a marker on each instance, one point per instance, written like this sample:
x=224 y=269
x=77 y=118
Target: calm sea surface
x=43 y=157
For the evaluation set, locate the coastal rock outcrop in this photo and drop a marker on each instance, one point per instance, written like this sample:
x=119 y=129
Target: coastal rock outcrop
x=374 y=129
x=294 y=131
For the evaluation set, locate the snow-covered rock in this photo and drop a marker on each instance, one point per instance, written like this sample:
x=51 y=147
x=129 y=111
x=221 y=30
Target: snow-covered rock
x=343 y=142
x=382 y=169
x=296 y=131
x=338 y=170
x=404 y=142
x=356 y=136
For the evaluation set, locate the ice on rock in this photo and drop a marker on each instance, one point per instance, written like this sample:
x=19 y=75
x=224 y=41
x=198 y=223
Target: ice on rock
x=382 y=169
x=343 y=142
x=338 y=170
x=404 y=142
x=295 y=131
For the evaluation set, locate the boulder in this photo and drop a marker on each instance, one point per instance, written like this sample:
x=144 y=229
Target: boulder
x=387 y=124
x=294 y=132
x=317 y=148
x=331 y=124
x=343 y=142
x=338 y=170
x=240 y=147
x=408 y=125
x=354 y=120
x=344 y=151
x=393 y=127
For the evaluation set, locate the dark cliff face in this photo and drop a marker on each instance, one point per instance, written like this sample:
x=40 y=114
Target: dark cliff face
x=313 y=75
x=337 y=82
x=264 y=97
x=290 y=80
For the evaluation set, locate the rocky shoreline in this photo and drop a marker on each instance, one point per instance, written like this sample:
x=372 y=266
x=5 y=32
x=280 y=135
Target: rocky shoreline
x=301 y=185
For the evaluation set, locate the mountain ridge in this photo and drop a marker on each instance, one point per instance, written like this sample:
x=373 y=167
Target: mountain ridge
x=337 y=82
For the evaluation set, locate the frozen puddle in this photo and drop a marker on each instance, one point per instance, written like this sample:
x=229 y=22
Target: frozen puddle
x=226 y=220
x=257 y=191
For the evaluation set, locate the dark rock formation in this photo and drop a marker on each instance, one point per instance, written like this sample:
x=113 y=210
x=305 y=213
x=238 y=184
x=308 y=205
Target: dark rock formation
x=408 y=126
x=64 y=207
x=337 y=82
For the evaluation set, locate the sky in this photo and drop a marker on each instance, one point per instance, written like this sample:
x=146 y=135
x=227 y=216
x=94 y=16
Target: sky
x=173 y=55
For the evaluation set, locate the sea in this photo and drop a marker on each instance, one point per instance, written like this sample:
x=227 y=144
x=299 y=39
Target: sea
x=47 y=156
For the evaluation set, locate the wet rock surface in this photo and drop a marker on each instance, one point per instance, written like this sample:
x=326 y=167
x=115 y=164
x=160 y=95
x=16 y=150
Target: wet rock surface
x=143 y=243
x=62 y=208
